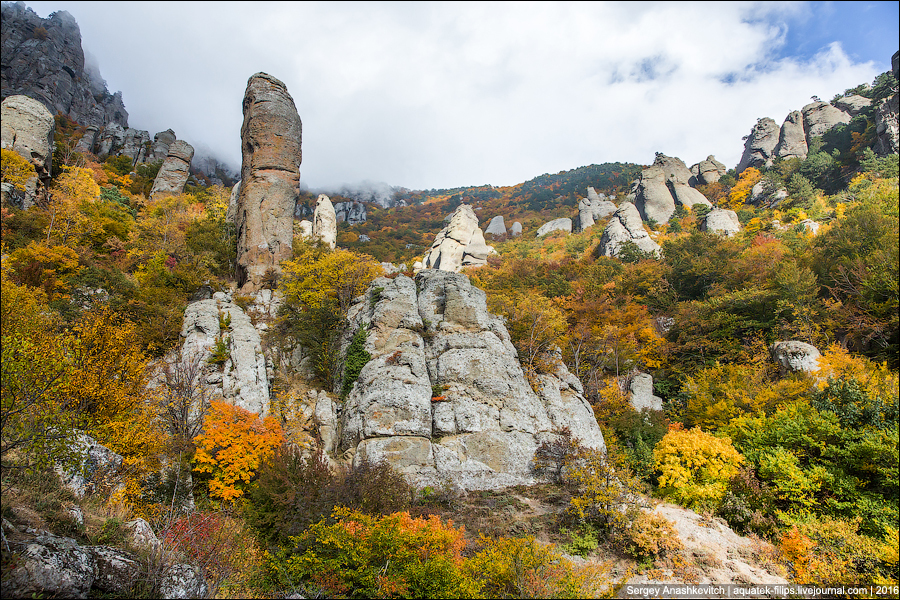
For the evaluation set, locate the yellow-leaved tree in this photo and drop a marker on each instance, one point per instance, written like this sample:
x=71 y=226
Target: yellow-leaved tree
x=233 y=444
x=741 y=190
x=535 y=323
x=75 y=186
x=695 y=467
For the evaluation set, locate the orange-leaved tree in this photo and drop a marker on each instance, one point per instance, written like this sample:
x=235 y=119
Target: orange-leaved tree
x=233 y=444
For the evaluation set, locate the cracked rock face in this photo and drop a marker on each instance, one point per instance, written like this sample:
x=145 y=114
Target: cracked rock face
x=270 y=179
x=324 y=224
x=443 y=396
x=459 y=244
x=759 y=149
x=27 y=128
x=624 y=226
x=175 y=170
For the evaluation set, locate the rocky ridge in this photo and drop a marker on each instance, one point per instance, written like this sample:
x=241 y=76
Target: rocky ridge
x=443 y=397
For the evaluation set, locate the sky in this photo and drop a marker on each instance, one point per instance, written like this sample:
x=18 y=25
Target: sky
x=440 y=95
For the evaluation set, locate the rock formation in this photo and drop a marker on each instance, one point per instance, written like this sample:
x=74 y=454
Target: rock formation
x=443 y=396
x=792 y=139
x=626 y=226
x=43 y=59
x=593 y=208
x=459 y=244
x=110 y=139
x=759 y=149
x=708 y=171
x=721 y=220
x=562 y=224
x=496 y=227
x=515 y=229
x=270 y=178
x=244 y=379
x=26 y=127
x=887 y=126
x=324 y=224
x=351 y=213
x=642 y=396
x=820 y=118
x=793 y=356
x=853 y=104
x=174 y=171
x=664 y=185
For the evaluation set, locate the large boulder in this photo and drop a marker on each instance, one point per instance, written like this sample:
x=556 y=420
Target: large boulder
x=497 y=227
x=820 y=117
x=159 y=150
x=26 y=127
x=642 y=396
x=48 y=566
x=653 y=199
x=515 y=229
x=792 y=139
x=461 y=243
x=721 y=220
x=793 y=356
x=685 y=195
x=759 y=148
x=324 y=224
x=443 y=397
x=626 y=226
x=95 y=465
x=175 y=170
x=270 y=179
x=562 y=224
x=887 y=126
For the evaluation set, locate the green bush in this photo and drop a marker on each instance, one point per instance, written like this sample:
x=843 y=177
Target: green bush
x=356 y=359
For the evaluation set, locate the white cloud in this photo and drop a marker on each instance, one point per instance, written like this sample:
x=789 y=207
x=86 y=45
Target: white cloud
x=440 y=95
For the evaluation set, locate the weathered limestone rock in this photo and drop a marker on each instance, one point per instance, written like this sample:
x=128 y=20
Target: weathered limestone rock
x=792 y=139
x=48 y=565
x=233 y=202
x=304 y=229
x=112 y=138
x=721 y=220
x=141 y=535
x=26 y=127
x=324 y=224
x=183 y=581
x=673 y=168
x=137 y=142
x=685 y=195
x=159 y=150
x=811 y=227
x=49 y=66
x=443 y=396
x=626 y=226
x=115 y=571
x=270 y=174
x=820 y=118
x=853 y=104
x=887 y=126
x=96 y=463
x=244 y=380
x=765 y=193
x=459 y=244
x=593 y=208
x=563 y=224
x=88 y=141
x=496 y=227
x=351 y=213
x=794 y=356
x=175 y=170
x=642 y=393
x=708 y=171
x=759 y=149
x=653 y=199
x=515 y=229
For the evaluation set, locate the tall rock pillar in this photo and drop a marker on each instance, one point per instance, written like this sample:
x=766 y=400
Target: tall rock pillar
x=270 y=180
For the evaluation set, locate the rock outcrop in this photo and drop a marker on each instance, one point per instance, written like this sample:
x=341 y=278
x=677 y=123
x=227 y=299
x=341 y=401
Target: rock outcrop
x=792 y=139
x=244 y=378
x=175 y=170
x=793 y=356
x=759 y=148
x=853 y=104
x=626 y=226
x=887 y=126
x=270 y=178
x=820 y=118
x=459 y=244
x=515 y=229
x=95 y=463
x=562 y=224
x=721 y=220
x=708 y=171
x=26 y=127
x=443 y=396
x=642 y=396
x=43 y=59
x=324 y=223
x=662 y=187
x=593 y=208
x=352 y=213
